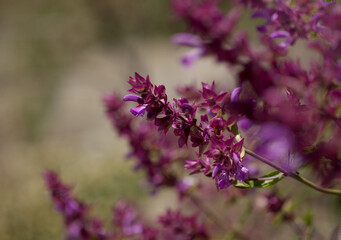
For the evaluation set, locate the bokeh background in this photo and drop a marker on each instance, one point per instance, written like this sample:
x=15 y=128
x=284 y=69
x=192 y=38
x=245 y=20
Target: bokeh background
x=58 y=59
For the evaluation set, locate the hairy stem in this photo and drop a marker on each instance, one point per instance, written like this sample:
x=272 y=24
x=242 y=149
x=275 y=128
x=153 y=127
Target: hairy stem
x=316 y=187
x=266 y=161
x=295 y=176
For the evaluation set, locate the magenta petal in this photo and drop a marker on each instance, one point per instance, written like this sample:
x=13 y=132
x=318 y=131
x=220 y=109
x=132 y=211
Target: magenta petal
x=189 y=58
x=235 y=94
x=244 y=123
x=132 y=98
x=282 y=34
x=138 y=112
x=224 y=180
x=242 y=173
x=187 y=39
x=260 y=14
x=215 y=171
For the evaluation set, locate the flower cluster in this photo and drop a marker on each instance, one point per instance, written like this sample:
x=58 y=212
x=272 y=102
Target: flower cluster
x=281 y=113
x=181 y=227
x=154 y=154
x=219 y=152
x=273 y=89
x=79 y=225
x=126 y=222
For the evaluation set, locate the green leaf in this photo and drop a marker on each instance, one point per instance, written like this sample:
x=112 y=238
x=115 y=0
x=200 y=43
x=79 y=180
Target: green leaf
x=263 y=182
x=240 y=184
x=234 y=129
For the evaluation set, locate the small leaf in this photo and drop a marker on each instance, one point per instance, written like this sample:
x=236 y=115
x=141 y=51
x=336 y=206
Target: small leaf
x=272 y=174
x=234 y=129
x=264 y=183
x=241 y=184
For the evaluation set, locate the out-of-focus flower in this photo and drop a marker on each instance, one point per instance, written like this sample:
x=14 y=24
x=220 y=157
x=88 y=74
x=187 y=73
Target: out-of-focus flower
x=178 y=226
x=76 y=219
x=282 y=34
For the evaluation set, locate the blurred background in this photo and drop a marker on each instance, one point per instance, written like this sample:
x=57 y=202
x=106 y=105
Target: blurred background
x=58 y=59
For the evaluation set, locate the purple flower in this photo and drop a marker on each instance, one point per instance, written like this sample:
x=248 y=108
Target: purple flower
x=274 y=203
x=282 y=34
x=177 y=226
x=192 y=56
x=128 y=224
x=262 y=14
x=76 y=220
x=138 y=112
x=223 y=174
x=187 y=39
x=223 y=181
x=198 y=165
x=133 y=98
x=192 y=41
x=244 y=123
x=140 y=84
x=216 y=170
x=74 y=230
x=276 y=142
x=316 y=19
x=242 y=173
x=235 y=94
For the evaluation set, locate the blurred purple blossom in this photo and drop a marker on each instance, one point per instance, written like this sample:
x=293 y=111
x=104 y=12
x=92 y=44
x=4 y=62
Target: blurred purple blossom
x=282 y=34
x=276 y=143
x=75 y=213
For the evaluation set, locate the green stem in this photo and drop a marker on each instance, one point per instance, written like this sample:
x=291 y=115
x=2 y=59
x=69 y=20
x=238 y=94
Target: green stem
x=314 y=186
x=295 y=176
x=266 y=161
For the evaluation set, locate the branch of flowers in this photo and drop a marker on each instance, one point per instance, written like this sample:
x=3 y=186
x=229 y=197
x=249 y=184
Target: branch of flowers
x=158 y=103
x=295 y=176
